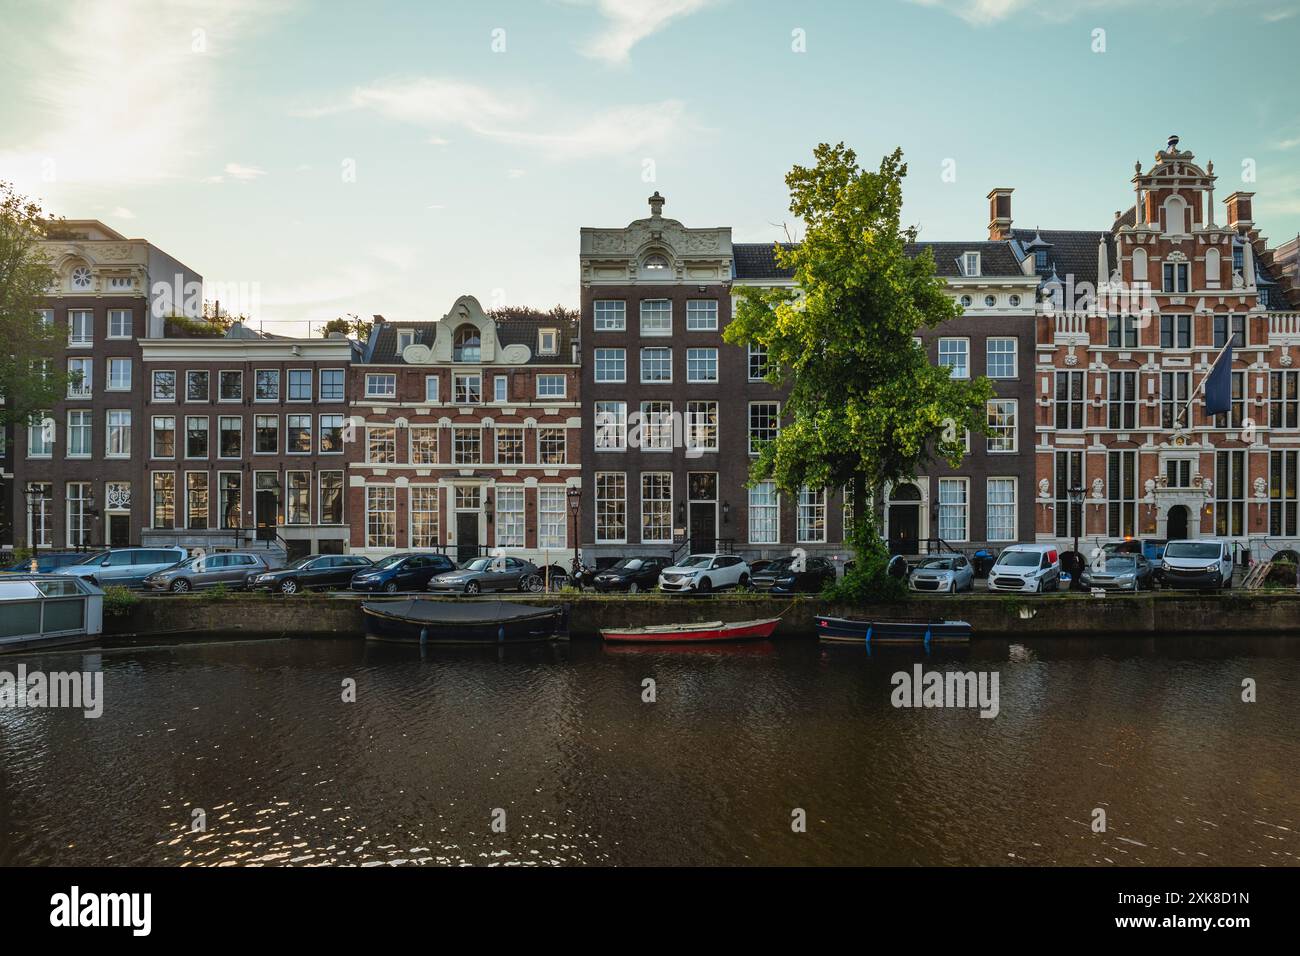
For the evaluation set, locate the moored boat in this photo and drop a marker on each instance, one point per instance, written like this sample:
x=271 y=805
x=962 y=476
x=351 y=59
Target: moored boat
x=699 y=632
x=462 y=622
x=891 y=632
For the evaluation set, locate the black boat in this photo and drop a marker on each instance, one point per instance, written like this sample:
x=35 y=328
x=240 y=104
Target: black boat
x=891 y=632
x=462 y=622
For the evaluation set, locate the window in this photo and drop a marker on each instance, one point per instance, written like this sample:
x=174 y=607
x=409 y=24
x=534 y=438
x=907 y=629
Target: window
x=990 y=301
x=117 y=435
x=548 y=341
x=119 y=374
x=467 y=389
x=381 y=517
x=1263 y=294
x=424 y=517
x=300 y=385
x=655 y=429
x=41 y=511
x=552 y=523
x=656 y=507
x=196 y=437
x=297 y=499
x=1013 y=300
x=764 y=513
x=81 y=375
x=164 y=500
x=266 y=434
x=812 y=515
x=702 y=315
x=510 y=446
x=1175 y=331
x=78 y=514
x=1236 y=415
x=164 y=386
x=466 y=345
x=1000 y=357
x=1069 y=400
x=611 y=506
x=81 y=327
x=611 y=426
x=40 y=435
x=953 y=503
x=1238 y=257
x=196 y=500
x=610 y=315
x=656 y=365
x=468 y=498
x=119 y=323
x=331 y=497
x=702 y=365
x=331 y=385
x=1002 y=422
x=231 y=386
x=1121 y=397
x=550 y=386
x=1230 y=482
x=1238 y=325
x=757 y=362
x=196 y=386
x=331 y=434
x=1283 y=500
x=552 y=446
x=656 y=317
x=466 y=446
x=47 y=317
x=1178 y=472
x=229 y=499
x=266 y=385
x=405 y=339
x=79 y=434
x=1175 y=389
x=500 y=389
x=1000 y=501
x=424 y=445
x=611 y=365
x=431 y=392
x=381 y=385
x=955 y=354
x=1122 y=331
x=655 y=263
x=764 y=419
x=702 y=426
x=297 y=437
x=1122 y=493
x=81 y=279
x=230 y=436
x=965 y=301
x=1284 y=399
x=510 y=517
x=971 y=265
x=164 y=436
x=381 y=445
x=1175 y=277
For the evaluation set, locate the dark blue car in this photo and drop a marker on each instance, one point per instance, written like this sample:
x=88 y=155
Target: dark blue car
x=48 y=562
x=402 y=572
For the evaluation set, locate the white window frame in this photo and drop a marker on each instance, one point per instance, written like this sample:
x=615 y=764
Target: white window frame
x=1013 y=354
x=700 y=318
x=603 y=365
x=118 y=361
x=989 y=505
x=619 y=502
x=121 y=430
x=342 y=384
x=692 y=370
x=153 y=384
x=989 y=440
x=381 y=385
x=663 y=507
x=85 y=428
x=656 y=349
x=963 y=505
x=763 y=513
x=812 y=502
x=117 y=315
x=606 y=318
x=563 y=380
x=654 y=331
x=288 y=382
x=948 y=341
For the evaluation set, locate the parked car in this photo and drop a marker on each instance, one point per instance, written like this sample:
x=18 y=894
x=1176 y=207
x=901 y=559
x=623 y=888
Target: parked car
x=947 y=573
x=1153 y=549
x=1199 y=563
x=230 y=568
x=1118 y=572
x=125 y=567
x=401 y=572
x=631 y=574
x=1032 y=568
x=47 y=562
x=489 y=574
x=703 y=573
x=316 y=572
x=779 y=576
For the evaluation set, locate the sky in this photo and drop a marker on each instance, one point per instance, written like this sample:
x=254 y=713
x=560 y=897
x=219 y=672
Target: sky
x=316 y=159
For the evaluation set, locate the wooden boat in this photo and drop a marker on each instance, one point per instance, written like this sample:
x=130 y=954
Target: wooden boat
x=891 y=632
x=462 y=622
x=681 y=633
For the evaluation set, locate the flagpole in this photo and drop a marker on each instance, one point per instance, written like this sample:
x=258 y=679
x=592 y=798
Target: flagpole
x=1205 y=378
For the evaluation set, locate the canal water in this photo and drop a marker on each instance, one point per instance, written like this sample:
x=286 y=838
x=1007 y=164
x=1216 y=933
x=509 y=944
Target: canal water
x=227 y=752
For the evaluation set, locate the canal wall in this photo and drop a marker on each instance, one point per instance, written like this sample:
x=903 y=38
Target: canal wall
x=1064 y=615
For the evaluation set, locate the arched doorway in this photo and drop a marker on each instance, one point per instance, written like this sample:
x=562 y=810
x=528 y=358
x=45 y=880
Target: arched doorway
x=1176 y=528
x=904 y=519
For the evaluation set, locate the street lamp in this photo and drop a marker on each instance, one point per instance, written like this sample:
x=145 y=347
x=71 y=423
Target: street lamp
x=574 y=496
x=1075 y=493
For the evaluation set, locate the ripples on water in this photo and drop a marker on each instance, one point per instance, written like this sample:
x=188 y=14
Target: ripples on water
x=256 y=735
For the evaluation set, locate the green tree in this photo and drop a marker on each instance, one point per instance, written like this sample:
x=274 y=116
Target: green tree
x=865 y=407
x=30 y=379
x=350 y=325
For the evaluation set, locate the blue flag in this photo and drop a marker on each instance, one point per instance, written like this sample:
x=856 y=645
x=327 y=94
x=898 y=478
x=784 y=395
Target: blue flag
x=1218 y=384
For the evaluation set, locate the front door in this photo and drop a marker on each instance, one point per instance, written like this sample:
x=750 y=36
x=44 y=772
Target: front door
x=904 y=529
x=466 y=536
x=119 y=531
x=1177 y=523
x=266 y=510
x=702 y=511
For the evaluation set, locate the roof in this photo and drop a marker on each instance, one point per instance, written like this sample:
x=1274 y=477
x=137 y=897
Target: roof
x=996 y=258
x=757 y=260
x=1070 y=252
x=514 y=330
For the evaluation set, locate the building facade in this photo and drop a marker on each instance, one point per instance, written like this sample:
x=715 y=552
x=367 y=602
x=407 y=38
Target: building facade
x=466 y=436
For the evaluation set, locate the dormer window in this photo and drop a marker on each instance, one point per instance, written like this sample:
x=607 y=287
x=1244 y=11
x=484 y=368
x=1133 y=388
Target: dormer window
x=466 y=345
x=1040 y=259
x=655 y=263
x=81 y=277
x=405 y=339
x=548 y=341
x=971 y=264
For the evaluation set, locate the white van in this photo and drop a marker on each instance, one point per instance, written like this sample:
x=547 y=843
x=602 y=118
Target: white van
x=1196 y=563
x=1032 y=568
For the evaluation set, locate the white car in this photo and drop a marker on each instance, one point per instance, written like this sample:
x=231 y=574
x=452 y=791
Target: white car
x=1032 y=568
x=701 y=573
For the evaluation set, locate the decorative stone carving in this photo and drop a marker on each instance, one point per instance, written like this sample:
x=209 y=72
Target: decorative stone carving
x=1150 y=487
x=1208 y=487
x=1071 y=359
x=1044 y=488
x=1261 y=488
x=516 y=354
x=1285 y=359
x=118 y=495
x=1098 y=489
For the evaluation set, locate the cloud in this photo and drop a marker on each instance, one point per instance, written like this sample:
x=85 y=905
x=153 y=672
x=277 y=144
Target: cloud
x=631 y=21
x=243 y=173
x=978 y=12
x=121 y=212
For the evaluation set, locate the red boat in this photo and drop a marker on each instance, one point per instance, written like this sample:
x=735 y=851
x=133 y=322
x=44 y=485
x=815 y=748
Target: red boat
x=680 y=633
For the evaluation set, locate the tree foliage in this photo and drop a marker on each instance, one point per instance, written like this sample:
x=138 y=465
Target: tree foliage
x=350 y=325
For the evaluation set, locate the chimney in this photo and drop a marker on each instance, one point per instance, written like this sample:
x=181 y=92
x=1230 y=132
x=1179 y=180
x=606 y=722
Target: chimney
x=1239 y=215
x=656 y=205
x=1000 y=214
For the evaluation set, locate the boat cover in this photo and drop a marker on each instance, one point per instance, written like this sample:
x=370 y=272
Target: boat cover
x=458 y=612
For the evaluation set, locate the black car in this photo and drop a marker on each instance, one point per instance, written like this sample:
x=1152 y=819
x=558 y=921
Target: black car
x=631 y=575
x=780 y=577
x=316 y=572
x=401 y=572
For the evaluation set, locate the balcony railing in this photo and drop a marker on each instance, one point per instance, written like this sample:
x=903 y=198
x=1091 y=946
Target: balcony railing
x=1071 y=329
x=1284 y=328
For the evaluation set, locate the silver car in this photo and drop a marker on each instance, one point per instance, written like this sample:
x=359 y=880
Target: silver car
x=230 y=568
x=947 y=575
